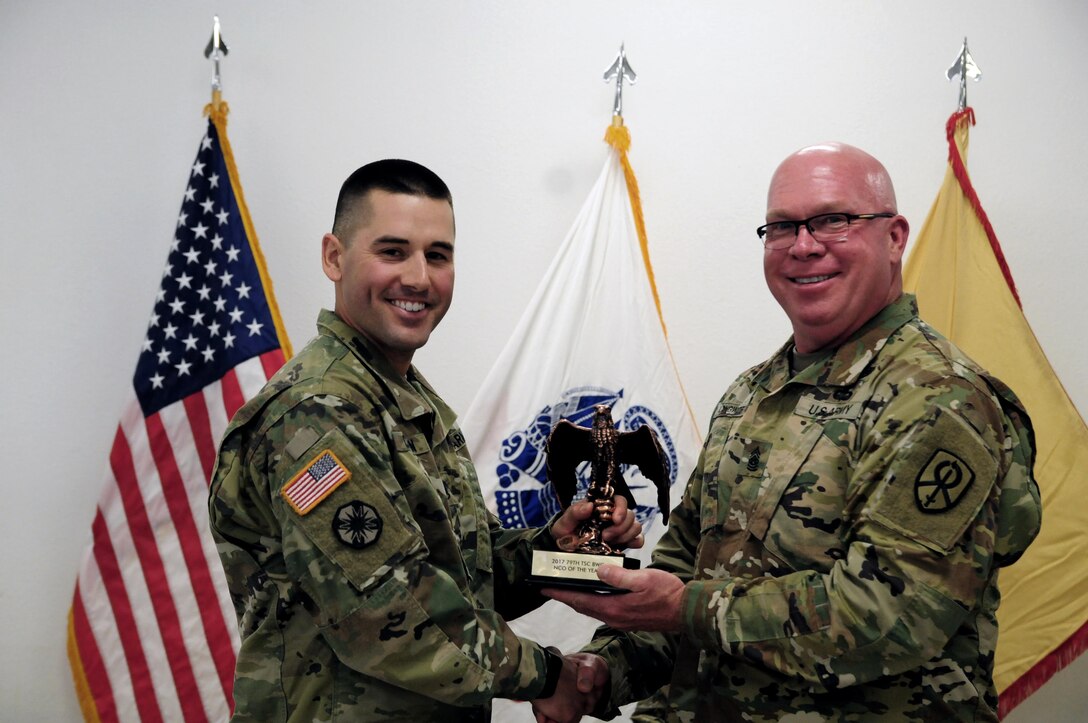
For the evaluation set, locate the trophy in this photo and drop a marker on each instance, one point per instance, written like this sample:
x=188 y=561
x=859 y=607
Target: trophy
x=605 y=448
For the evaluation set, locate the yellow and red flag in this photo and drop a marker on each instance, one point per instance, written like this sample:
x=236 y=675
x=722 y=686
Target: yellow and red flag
x=965 y=290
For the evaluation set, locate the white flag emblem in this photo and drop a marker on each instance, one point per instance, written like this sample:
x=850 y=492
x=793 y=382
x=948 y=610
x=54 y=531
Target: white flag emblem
x=591 y=335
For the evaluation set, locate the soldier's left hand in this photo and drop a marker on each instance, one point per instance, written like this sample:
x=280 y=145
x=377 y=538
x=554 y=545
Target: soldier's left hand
x=625 y=532
x=652 y=603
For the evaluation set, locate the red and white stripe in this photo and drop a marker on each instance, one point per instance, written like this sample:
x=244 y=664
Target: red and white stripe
x=305 y=491
x=153 y=627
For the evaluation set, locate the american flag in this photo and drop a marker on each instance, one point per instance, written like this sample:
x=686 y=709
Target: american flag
x=152 y=633
x=313 y=484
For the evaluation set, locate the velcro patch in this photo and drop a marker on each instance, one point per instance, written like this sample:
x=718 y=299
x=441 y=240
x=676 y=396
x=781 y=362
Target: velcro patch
x=814 y=409
x=729 y=410
x=941 y=480
x=940 y=486
x=317 y=480
x=301 y=442
x=357 y=524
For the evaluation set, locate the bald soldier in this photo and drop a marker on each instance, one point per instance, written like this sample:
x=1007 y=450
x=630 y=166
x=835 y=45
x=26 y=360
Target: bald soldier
x=370 y=582
x=837 y=548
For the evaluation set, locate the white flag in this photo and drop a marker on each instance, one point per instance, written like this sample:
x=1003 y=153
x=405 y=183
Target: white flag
x=592 y=334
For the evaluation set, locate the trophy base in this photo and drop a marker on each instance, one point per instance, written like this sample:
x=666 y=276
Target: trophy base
x=576 y=570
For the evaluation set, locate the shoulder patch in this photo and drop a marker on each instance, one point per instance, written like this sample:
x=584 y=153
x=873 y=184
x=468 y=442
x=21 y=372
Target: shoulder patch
x=729 y=409
x=317 y=480
x=941 y=480
x=357 y=524
x=301 y=442
x=941 y=485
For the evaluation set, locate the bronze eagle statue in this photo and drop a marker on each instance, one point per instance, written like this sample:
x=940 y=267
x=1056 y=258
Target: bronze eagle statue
x=606 y=449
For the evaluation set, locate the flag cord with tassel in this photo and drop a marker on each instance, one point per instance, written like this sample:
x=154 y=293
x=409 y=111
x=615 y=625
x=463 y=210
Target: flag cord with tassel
x=619 y=138
x=965 y=118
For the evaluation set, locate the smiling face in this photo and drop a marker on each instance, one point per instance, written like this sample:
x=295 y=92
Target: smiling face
x=394 y=275
x=829 y=291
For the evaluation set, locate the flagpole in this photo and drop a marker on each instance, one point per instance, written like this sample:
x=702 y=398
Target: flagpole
x=965 y=67
x=217 y=111
x=959 y=124
x=216 y=50
x=617 y=136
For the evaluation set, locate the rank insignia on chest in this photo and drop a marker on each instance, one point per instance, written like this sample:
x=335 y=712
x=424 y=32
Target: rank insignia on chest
x=941 y=484
x=317 y=480
x=357 y=524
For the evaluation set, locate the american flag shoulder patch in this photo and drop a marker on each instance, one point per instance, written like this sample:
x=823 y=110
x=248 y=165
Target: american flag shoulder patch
x=317 y=480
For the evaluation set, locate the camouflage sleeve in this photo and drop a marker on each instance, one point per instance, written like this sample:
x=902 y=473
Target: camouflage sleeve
x=375 y=573
x=919 y=552
x=653 y=709
x=512 y=550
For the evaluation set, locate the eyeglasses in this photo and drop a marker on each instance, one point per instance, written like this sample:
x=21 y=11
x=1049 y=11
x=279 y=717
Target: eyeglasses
x=825 y=228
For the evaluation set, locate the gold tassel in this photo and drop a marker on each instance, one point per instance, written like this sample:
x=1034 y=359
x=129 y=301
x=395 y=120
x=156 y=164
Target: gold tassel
x=619 y=138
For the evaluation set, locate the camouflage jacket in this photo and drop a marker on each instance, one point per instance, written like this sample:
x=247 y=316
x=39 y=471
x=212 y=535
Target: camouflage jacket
x=363 y=565
x=840 y=539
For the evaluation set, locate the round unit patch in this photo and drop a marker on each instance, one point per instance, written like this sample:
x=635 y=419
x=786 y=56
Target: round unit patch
x=357 y=524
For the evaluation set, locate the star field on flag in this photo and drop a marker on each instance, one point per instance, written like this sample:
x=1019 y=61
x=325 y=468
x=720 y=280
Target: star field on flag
x=207 y=317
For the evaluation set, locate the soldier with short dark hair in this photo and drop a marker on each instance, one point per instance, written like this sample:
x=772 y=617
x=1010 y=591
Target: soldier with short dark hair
x=836 y=552
x=370 y=582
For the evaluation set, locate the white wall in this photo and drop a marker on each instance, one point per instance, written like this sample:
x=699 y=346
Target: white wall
x=102 y=114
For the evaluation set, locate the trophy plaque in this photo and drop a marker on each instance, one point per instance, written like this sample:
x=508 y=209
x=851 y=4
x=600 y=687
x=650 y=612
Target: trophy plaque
x=605 y=448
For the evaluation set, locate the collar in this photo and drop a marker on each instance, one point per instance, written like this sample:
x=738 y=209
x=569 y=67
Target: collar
x=413 y=395
x=845 y=363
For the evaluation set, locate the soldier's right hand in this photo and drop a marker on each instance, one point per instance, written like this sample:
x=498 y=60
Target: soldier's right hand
x=584 y=678
x=625 y=532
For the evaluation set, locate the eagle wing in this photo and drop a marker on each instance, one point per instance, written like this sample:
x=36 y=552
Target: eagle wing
x=640 y=447
x=568 y=446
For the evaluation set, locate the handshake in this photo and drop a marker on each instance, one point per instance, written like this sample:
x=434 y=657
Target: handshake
x=584 y=679
x=652 y=603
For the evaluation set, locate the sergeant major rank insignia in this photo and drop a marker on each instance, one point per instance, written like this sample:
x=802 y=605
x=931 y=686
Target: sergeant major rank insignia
x=941 y=484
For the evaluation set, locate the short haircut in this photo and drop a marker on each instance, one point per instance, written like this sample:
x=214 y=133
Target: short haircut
x=392 y=175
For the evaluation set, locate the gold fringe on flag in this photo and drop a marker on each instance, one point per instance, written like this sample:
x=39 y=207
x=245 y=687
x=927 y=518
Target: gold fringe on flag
x=217 y=110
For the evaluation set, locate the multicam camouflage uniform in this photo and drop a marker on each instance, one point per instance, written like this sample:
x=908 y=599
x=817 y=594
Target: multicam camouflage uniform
x=840 y=539
x=362 y=562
